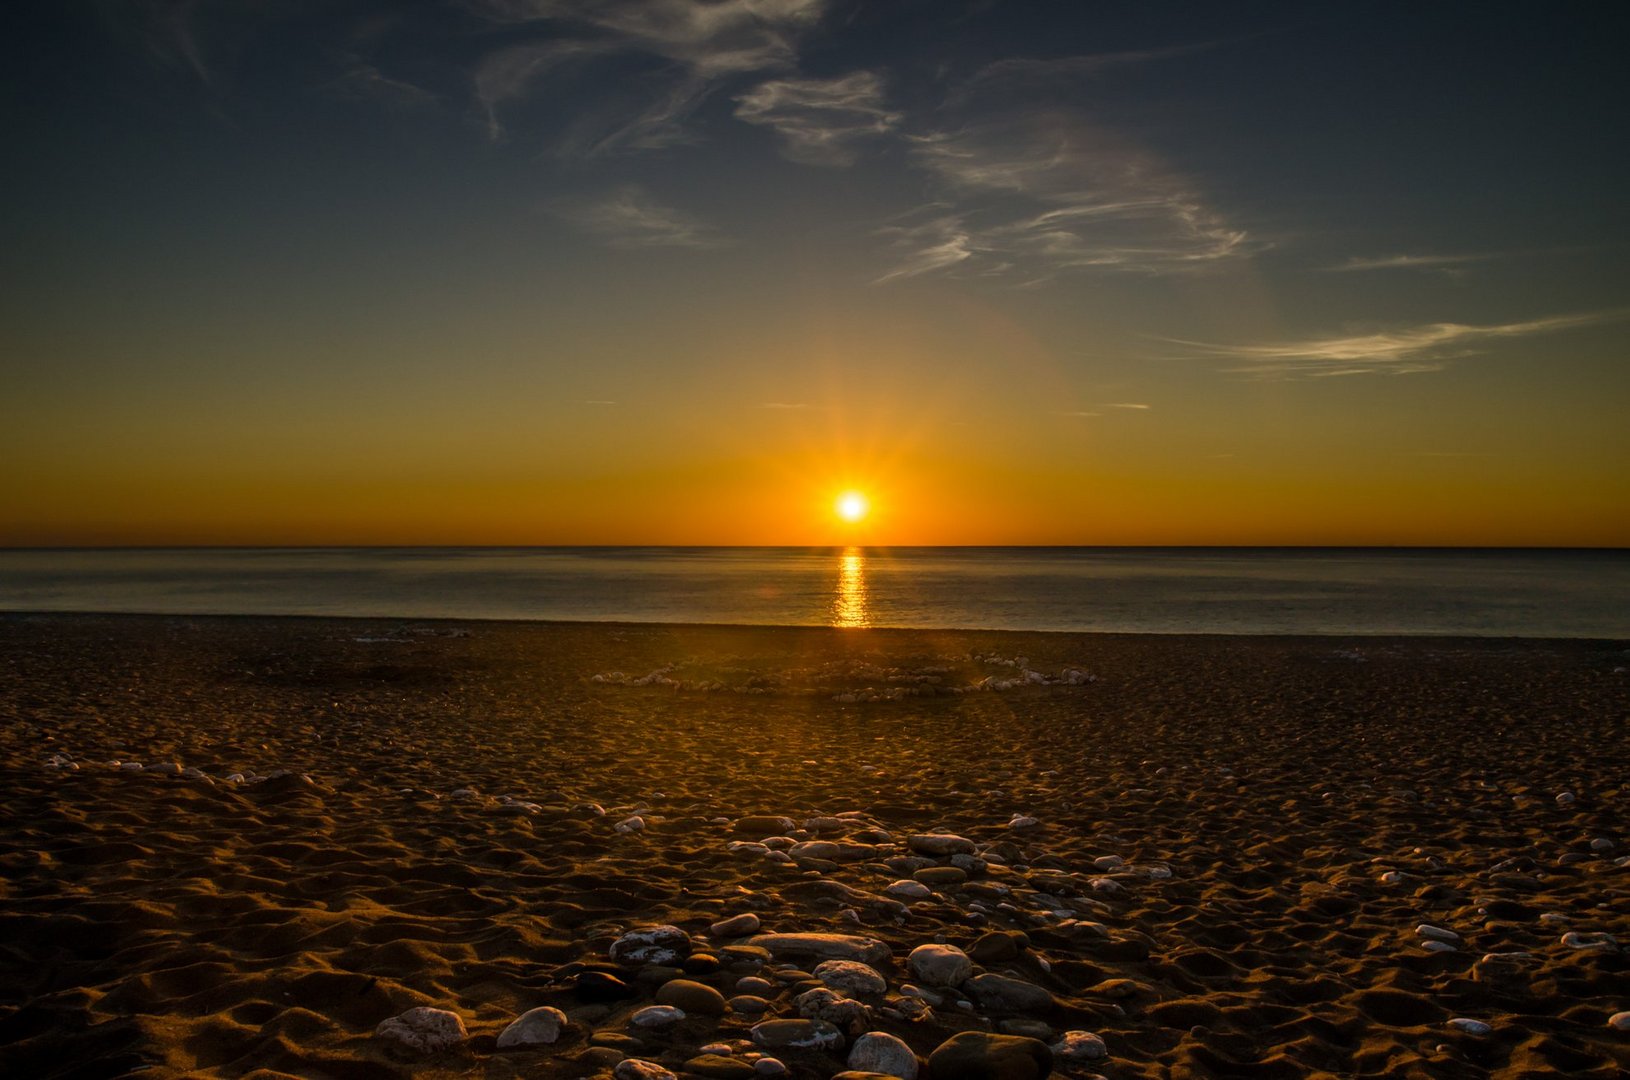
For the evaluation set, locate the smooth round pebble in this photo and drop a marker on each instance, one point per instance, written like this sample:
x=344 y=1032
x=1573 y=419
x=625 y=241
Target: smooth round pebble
x=1470 y=1026
x=880 y=1052
x=939 y=965
x=535 y=1027
x=657 y=1016
x=635 y=1069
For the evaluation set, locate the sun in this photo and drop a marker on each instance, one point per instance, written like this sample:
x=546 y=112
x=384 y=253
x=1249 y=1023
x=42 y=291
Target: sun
x=852 y=506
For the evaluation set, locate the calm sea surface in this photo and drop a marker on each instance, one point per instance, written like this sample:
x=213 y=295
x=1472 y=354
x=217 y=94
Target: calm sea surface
x=1169 y=590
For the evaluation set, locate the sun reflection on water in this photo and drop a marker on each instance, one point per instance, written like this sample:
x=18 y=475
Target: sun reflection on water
x=851 y=604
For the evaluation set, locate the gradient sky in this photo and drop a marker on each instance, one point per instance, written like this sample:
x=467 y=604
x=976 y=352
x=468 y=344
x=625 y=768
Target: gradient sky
x=679 y=271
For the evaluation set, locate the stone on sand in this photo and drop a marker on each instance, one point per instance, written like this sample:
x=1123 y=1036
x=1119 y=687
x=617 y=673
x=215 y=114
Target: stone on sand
x=824 y=1003
x=423 y=1030
x=535 y=1027
x=635 y=1069
x=908 y=890
x=720 y=1067
x=824 y=946
x=1001 y=993
x=1619 y=1021
x=853 y=978
x=940 y=844
x=1470 y=1026
x=973 y=1055
x=651 y=945
x=655 y=1016
x=691 y=997
x=735 y=926
x=880 y=1052
x=797 y=1035
x=1077 y=1047
x=939 y=965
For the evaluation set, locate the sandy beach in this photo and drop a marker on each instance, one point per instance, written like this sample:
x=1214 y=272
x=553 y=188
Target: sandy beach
x=237 y=847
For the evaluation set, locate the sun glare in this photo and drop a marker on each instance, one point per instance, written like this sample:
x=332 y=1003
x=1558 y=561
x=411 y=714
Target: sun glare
x=852 y=506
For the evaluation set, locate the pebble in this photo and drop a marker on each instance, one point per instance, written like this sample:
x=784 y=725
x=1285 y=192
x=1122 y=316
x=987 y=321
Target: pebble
x=1565 y=798
x=1023 y=821
x=764 y=825
x=880 y=1052
x=973 y=1055
x=635 y=1069
x=995 y=946
x=748 y=1004
x=651 y=945
x=908 y=890
x=630 y=824
x=653 y=1016
x=423 y=1030
x=824 y=1003
x=940 y=844
x=754 y=984
x=824 y=946
x=797 y=1035
x=735 y=926
x=720 y=1067
x=1470 y=1026
x=854 y=979
x=1000 y=993
x=691 y=997
x=1080 y=1046
x=769 y=1066
x=1436 y=933
x=1581 y=939
x=535 y=1027
x=939 y=965
x=941 y=875
x=1434 y=945
x=1619 y=1021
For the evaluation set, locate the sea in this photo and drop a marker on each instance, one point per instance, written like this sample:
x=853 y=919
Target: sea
x=1346 y=591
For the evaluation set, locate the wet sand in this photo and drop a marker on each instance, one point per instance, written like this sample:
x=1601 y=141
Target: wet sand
x=454 y=830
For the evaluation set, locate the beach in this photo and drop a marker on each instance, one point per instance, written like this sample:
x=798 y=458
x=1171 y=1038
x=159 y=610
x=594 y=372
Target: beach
x=238 y=846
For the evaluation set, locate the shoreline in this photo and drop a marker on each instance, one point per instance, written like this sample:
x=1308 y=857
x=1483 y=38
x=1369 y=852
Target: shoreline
x=1150 y=635
x=236 y=846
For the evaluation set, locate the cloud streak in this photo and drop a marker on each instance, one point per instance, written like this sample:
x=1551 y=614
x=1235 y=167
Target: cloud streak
x=696 y=42
x=819 y=120
x=1035 y=188
x=1443 y=263
x=1407 y=351
x=630 y=218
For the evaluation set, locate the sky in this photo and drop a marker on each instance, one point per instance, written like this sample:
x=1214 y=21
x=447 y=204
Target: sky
x=683 y=271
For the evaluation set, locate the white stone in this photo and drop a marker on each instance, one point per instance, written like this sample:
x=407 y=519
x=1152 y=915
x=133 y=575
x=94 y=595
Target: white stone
x=879 y=1052
x=1433 y=945
x=630 y=824
x=1079 y=1046
x=1436 y=933
x=1023 y=821
x=535 y=1027
x=1565 y=798
x=939 y=965
x=1470 y=1026
x=651 y=945
x=423 y=1030
x=1575 y=939
x=906 y=889
x=654 y=1016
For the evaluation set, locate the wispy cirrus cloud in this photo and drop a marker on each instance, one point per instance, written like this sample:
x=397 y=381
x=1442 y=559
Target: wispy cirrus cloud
x=1407 y=351
x=1031 y=185
x=696 y=43
x=630 y=218
x=1441 y=263
x=820 y=120
x=1135 y=405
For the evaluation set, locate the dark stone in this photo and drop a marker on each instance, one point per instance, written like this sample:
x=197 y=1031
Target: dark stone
x=973 y=1055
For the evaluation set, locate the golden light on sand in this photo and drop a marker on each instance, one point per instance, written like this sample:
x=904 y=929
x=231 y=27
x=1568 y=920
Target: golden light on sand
x=852 y=506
